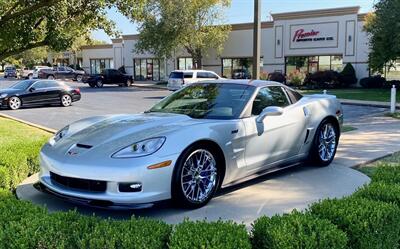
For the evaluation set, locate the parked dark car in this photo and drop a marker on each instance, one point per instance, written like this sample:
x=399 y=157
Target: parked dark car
x=38 y=92
x=108 y=76
x=10 y=72
x=61 y=73
x=241 y=74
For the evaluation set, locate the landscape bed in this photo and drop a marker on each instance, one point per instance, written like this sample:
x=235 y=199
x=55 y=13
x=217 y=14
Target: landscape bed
x=370 y=218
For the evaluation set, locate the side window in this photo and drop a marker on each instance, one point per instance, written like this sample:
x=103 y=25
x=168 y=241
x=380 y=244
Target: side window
x=61 y=69
x=212 y=76
x=269 y=96
x=202 y=75
x=293 y=95
x=188 y=75
x=44 y=84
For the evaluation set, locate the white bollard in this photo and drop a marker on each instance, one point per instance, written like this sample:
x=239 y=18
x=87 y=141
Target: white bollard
x=325 y=91
x=393 y=100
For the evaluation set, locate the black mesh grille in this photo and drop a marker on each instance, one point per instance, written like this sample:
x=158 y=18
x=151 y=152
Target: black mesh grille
x=77 y=183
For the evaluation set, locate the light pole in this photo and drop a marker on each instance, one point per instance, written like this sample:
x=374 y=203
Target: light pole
x=256 y=39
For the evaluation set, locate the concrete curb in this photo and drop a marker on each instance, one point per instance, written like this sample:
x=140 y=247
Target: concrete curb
x=150 y=87
x=47 y=129
x=383 y=105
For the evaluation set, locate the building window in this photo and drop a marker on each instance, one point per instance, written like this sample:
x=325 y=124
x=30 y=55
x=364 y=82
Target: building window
x=237 y=68
x=98 y=65
x=148 y=69
x=185 y=63
x=300 y=66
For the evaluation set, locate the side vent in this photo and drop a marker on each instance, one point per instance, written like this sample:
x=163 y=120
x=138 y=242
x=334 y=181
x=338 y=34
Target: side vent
x=84 y=146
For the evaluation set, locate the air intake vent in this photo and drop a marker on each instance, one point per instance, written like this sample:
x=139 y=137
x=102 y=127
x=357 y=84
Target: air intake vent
x=84 y=146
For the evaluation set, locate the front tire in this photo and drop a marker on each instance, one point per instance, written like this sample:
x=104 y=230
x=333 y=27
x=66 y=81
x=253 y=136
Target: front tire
x=30 y=76
x=79 y=78
x=50 y=77
x=325 y=143
x=14 y=103
x=128 y=83
x=196 y=177
x=66 y=100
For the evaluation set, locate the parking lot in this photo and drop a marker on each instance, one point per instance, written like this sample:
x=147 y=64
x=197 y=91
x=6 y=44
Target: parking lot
x=113 y=99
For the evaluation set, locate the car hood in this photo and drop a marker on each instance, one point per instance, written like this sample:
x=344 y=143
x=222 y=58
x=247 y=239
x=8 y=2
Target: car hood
x=111 y=133
x=9 y=91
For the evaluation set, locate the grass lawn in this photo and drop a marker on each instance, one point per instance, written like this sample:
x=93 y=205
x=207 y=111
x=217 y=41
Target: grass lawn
x=359 y=94
x=393 y=160
x=394 y=115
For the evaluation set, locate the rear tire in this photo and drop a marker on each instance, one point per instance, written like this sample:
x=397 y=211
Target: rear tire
x=196 y=177
x=79 y=78
x=66 y=100
x=50 y=77
x=325 y=143
x=14 y=103
x=128 y=83
x=30 y=76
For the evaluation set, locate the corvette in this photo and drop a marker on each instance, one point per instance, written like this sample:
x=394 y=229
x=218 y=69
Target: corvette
x=203 y=137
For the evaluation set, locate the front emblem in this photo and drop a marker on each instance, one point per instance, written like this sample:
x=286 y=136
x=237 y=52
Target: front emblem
x=72 y=152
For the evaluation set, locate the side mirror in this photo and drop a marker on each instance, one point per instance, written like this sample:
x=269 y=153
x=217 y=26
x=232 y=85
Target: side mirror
x=269 y=111
x=32 y=89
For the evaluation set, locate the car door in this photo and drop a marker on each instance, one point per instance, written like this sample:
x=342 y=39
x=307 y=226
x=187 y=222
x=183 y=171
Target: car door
x=69 y=73
x=36 y=94
x=61 y=73
x=276 y=138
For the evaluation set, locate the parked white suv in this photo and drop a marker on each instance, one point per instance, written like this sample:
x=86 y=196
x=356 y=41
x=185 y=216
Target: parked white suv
x=36 y=70
x=180 y=78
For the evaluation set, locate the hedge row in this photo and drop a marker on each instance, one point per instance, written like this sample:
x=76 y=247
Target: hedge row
x=368 y=219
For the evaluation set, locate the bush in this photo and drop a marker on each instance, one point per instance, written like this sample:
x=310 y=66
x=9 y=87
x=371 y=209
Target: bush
x=389 y=84
x=367 y=223
x=202 y=234
x=296 y=230
x=387 y=174
x=23 y=225
x=348 y=75
x=277 y=76
x=376 y=81
x=323 y=79
x=381 y=191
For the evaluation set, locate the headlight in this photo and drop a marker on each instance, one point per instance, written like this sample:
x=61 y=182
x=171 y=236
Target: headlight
x=3 y=95
x=141 y=148
x=59 y=135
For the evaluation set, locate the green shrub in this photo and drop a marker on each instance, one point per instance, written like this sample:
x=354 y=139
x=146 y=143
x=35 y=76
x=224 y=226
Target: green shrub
x=380 y=191
x=202 y=234
x=387 y=174
x=296 y=230
x=367 y=223
x=348 y=75
x=23 y=225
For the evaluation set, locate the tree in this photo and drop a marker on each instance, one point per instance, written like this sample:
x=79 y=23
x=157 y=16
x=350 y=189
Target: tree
x=383 y=27
x=30 y=24
x=192 y=25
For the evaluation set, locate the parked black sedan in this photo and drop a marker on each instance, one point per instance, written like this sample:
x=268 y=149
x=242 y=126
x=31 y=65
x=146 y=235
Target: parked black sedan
x=108 y=76
x=38 y=92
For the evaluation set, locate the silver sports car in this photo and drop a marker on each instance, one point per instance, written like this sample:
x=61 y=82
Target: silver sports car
x=205 y=136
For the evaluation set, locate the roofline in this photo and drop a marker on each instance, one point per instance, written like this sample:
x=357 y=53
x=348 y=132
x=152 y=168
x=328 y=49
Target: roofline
x=97 y=46
x=361 y=17
x=316 y=13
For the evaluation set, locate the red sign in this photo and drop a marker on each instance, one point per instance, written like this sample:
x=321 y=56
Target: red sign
x=300 y=34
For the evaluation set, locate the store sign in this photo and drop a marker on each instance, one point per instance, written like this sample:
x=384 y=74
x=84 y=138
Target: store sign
x=319 y=35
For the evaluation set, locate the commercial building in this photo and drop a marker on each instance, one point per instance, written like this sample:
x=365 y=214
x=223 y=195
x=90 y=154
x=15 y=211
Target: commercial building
x=293 y=43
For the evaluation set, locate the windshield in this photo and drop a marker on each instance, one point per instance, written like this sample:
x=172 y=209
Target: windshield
x=207 y=100
x=22 y=85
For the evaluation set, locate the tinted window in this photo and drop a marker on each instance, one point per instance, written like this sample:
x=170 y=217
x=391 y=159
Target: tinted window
x=212 y=101
x=269 y=96
x=22 y=85
x=293 y=95
x=176 y=75
x=202 y=75
x=212 y=76
x=61 y=69
x=45 y=84
x=188 y=75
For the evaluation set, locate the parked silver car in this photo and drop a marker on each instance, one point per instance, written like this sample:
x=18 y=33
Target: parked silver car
x=191 y=143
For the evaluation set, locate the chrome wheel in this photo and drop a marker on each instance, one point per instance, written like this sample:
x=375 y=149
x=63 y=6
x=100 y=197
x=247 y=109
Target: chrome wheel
x=14 y=103
x=99 y=83
x=66 y=100
x=30 y=76
x=50 y=77
x=327 y=142
x=199 y=176
x=79 y=78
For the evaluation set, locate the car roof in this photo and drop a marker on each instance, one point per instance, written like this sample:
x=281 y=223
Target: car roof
x=192 y=70
x=256 y=83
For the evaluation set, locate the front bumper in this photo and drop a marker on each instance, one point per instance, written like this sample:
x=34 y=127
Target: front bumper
x=156 y=183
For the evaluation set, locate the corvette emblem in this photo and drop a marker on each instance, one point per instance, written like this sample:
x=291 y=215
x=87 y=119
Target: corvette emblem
x=72 y=152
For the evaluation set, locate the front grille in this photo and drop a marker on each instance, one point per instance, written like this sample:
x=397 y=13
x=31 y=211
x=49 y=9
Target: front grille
x=80 y=184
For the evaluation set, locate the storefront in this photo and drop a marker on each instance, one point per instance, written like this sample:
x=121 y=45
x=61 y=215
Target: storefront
x=293 y=43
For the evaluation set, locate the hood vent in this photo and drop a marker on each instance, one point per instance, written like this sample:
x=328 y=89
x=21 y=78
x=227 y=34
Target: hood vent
x=84 y=146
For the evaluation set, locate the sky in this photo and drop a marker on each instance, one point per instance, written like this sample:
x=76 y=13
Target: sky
x=242 y=11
